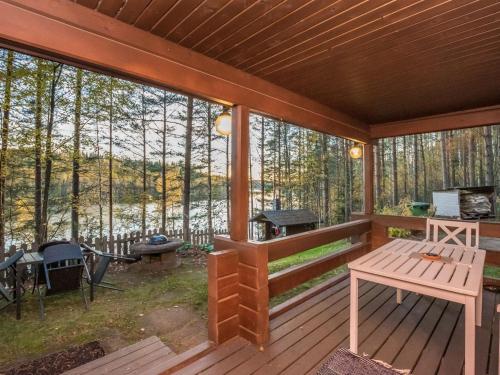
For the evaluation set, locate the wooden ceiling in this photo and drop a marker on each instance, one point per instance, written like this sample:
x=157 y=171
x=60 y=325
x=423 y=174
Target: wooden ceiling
x=377 y=60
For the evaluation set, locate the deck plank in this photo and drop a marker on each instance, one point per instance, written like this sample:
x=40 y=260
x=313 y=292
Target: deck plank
x=423 y=334
x=303 y=338
x=224 y=351
x=306 y=305
x=493 y=352
x=149 y=344
x=305 y=354
x=384 y=330
x=392 y=346
x=434 y=349
x=317 y=314
x=484 y=333
x=410 y=353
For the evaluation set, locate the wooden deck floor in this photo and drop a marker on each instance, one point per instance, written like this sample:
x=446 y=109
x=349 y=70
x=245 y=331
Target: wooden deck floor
x=422 y=333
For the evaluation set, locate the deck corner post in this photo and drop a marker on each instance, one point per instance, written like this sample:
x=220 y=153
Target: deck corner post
x=223 y=295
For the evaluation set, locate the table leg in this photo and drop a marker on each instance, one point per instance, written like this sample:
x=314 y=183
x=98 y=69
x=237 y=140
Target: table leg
x=399 y=296
x=17 y=288
x=470 y=335
x=479 y=305
x=353 y=336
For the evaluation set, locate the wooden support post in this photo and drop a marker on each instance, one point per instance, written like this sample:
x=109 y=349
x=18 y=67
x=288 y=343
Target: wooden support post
x=368 y=197
x=368 y=169
x=239 y=173
x=223 y=295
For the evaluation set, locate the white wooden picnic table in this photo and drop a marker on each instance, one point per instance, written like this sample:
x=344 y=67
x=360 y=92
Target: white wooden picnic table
x=458 y=277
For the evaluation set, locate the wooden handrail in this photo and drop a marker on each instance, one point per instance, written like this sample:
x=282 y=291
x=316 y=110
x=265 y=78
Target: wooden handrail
x=289 y=245
x=486 y=229
x=280 y=282
x=381 y=224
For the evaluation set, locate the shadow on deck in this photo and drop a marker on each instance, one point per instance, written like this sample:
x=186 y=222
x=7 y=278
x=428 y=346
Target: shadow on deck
x=423 y=334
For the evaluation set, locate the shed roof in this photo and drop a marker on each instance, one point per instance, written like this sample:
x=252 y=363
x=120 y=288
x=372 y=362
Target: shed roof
x=287 y=217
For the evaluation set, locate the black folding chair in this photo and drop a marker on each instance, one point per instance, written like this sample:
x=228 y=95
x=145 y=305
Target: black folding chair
x=104 y=259
x=63 y=268
x=8 y=272
x=39 y=272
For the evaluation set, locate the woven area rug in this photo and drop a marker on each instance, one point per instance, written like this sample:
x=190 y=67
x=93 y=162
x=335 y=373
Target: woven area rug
x=344 y=362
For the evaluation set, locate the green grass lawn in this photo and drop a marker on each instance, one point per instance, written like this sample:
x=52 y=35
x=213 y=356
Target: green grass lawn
x=492 y=271
x=303 y=257
x=112 y=314
x=118 y=317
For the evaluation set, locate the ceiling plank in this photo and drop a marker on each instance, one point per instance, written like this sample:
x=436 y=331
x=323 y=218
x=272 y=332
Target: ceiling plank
x=449 y=121
x=73 y=33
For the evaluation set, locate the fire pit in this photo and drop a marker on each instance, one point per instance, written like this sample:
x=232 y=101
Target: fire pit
x=158 y=249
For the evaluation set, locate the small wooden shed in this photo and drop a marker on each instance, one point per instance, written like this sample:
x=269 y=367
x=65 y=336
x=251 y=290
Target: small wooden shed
x=280 y=223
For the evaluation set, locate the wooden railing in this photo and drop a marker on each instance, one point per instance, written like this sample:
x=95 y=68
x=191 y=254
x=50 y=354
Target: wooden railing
x=255 y=286
x=289 y=278
x=120 y=244
x=382 y=223
x=240 y=285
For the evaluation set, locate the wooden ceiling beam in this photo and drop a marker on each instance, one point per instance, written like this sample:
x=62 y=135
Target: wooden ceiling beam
x=449 y=121
x=71 y=33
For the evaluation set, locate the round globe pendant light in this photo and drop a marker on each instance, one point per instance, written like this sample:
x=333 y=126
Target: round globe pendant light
x=223 y=123
x=356 y=151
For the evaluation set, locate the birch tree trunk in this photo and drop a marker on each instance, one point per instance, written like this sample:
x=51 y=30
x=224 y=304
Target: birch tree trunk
x=444 y=160
x=378 y=174
x=110 y=157
x=262 y=164
x=472 y=157
x=405 y=169
x=186 y=191
x=38 y=151
x=488 y=153
x=164 y=166
x=56 y=74
x=424 y=168
x=326 y=179
x=75 y=199
x=144 y=196
x=209 y=171
x=415 y=168
x=279 y=161
x=228 y=188
x=5 y=142
x=395 y=195
x=99 y=181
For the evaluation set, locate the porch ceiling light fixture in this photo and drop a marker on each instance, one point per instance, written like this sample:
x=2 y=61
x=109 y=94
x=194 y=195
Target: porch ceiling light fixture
x=356 y=151
x=223 y=123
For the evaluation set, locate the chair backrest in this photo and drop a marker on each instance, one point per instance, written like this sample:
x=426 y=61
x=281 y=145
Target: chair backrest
x=63 y=267
x=45 y=245
x=451 y=230
x=12 y=260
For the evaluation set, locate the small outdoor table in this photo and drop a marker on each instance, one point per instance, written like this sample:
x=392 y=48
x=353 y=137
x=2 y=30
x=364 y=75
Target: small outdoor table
x=457 y=277
x=28 y=259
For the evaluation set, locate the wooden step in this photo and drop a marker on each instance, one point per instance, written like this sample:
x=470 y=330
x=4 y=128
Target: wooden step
x=129 y=360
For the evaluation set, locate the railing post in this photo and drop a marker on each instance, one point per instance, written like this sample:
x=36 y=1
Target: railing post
x=253 y=289
x=223 y=295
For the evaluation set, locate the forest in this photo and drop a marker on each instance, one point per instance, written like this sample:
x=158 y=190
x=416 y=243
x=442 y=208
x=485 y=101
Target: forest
x=410 y=168
x=88 y=154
